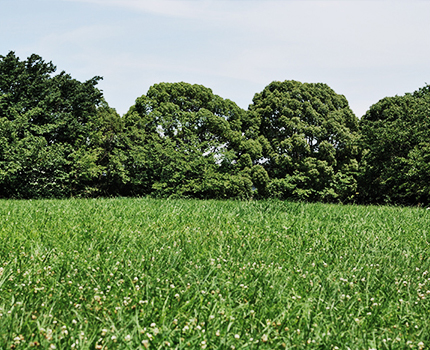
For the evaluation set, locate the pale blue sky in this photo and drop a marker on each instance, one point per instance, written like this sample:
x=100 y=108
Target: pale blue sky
x=365 y=50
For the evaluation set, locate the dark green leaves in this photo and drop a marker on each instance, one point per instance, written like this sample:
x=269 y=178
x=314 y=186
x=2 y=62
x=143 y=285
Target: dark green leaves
x=46 y=131
x=59 y=137
x=185 y=143
x=395 y=138
x=309 y=134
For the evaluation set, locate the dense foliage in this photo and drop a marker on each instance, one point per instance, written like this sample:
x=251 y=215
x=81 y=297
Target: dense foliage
x=59 y=138
x=396 y=143
x=309 y=133
x=51 y=131
x=185 y=141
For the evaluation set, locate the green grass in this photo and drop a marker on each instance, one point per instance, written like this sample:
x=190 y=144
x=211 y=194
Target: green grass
x=184 y=274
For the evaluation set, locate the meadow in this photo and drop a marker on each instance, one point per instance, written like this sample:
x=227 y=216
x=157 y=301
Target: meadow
x=185 y=274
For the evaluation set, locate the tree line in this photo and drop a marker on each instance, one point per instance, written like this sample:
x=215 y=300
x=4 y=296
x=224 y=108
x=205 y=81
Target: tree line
x=298 y=141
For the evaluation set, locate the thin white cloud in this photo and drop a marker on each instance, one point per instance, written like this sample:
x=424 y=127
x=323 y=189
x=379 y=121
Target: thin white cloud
x=85 y=35
x=187 y=9
x=336 y=33
x=363 y=49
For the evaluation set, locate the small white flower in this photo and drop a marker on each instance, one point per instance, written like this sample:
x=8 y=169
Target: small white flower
x=236 y=336
x=127 y=337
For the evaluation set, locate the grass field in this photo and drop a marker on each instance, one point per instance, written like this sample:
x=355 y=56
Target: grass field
x=184 y=274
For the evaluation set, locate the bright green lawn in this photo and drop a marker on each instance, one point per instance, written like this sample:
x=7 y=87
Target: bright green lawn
x=185 y=274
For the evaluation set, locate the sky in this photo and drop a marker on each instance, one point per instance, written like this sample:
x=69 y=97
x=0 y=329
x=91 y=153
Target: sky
x=363 y=49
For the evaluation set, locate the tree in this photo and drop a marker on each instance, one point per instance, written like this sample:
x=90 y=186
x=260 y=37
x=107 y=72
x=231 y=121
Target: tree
x=396 y=143
x=307 y=133
x=46 y=127
x=183 y=141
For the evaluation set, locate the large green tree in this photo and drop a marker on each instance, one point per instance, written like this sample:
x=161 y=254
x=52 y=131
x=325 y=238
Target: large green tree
x=184 y=141
x=50 y=125
x=396 y=140
x=308 y=135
